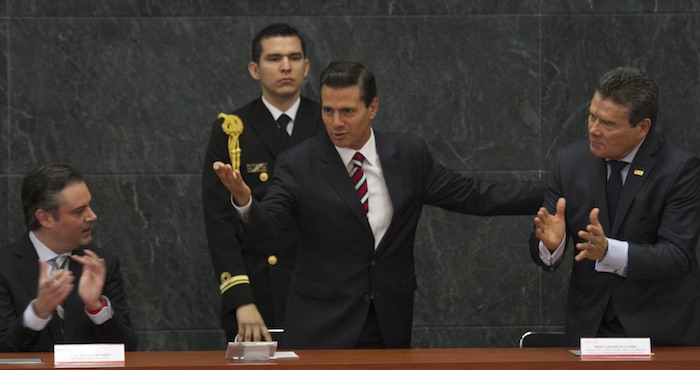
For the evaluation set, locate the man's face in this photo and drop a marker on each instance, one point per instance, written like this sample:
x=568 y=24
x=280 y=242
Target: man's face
x=610 y=135
x=281 y=69
x=73 y=227
x=347 y=119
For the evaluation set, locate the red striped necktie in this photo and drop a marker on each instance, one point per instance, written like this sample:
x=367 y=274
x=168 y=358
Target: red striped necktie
x=360 y=180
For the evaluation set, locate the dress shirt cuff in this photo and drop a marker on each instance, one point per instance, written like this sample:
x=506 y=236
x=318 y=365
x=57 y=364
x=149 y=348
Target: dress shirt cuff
x=103 y=315
x=243 y=211
x=32 y=321
x=550 y=258
x=615 y=261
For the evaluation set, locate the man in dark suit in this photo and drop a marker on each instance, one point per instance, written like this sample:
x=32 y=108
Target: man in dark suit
x=254 y=279
x=39 y=303
x=636 y=272
x=354 y=281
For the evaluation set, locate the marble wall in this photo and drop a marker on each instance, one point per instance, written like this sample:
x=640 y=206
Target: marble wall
x=125 y=90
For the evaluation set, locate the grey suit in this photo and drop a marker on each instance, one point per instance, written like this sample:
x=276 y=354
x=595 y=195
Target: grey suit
x=659 y=216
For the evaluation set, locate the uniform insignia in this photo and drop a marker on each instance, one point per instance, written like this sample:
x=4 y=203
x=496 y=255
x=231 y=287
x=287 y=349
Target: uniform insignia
x=228 y=281
x=256 y=167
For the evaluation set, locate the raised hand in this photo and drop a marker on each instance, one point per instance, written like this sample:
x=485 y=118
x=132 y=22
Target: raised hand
x=551 y=229
x=92 y=280
x=595 y=246
x=233 y=181
x=52 y=289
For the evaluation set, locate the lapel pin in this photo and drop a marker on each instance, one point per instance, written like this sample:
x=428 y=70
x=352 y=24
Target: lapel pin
x=639 y=172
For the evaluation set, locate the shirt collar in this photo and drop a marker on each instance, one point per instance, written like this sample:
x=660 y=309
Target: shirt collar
x=630 y=157
x=369 y=151
x=276 y=113
x=42 y=250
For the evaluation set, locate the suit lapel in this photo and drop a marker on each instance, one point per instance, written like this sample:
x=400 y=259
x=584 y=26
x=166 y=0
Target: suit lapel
x=266 y=129
x=28 y=268
x=333 y=170
x=27 y=265
x=304 y=123
x=639 y=171
x=391 y=167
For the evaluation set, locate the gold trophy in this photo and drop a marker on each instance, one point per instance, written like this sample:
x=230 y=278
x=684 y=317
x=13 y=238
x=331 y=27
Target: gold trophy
x=233 y=127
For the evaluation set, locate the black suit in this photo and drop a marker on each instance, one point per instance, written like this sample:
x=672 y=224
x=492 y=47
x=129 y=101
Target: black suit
x=659 y=216
x=19 y=273
x=338 y=269
x=261 y=143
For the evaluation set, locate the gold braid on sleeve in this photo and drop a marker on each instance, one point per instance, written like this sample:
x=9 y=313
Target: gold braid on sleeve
x=233 y=127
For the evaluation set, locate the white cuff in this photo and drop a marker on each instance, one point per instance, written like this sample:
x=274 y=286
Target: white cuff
x=32 y=321
x=103 y=315
x=549 y=258
x=243 y=211
x=615 y=261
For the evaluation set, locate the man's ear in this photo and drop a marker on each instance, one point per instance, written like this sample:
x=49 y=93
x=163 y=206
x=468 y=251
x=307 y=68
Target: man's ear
x=253 y=70
x=44 y=218
x=644 y=127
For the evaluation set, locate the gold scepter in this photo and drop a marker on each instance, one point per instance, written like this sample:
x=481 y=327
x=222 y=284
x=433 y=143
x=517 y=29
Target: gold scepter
x=233 y=127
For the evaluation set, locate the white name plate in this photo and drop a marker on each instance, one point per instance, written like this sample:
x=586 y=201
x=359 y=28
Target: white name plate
x=88 y=354
x=251 y=351
x=616 y=348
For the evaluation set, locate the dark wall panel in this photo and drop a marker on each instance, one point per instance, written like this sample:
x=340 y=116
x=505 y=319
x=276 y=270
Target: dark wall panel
x=126 y=91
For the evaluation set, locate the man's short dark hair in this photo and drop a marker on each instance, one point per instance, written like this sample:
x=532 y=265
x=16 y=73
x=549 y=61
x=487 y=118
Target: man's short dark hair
x=341 y=74
x=41 y=189
x=274 y=30
x=633 y=88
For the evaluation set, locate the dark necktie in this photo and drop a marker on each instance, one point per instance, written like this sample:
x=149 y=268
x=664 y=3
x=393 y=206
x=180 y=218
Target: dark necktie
x=282 y=122
x=360 y=181
x=614 y=188
x=58 y=263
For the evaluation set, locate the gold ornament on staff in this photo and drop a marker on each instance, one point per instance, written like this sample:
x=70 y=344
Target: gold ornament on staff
x=233 y=127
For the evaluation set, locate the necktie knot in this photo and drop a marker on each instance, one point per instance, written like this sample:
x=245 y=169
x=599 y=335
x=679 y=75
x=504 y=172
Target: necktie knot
x=617 y=166
x=59 y=262
x=358 y=159
x=282 y=122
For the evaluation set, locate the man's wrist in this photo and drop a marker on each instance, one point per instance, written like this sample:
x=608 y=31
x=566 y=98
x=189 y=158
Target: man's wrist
x=96 y=308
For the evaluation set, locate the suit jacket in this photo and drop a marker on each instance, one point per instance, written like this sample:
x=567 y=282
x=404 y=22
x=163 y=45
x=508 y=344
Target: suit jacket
x=338 y=270
x=261 y=142
x=19 y=273
x=659 y=216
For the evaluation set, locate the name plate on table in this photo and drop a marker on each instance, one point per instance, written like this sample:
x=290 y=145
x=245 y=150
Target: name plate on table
x=251 y=351
x=615 y=348
x=88 y=354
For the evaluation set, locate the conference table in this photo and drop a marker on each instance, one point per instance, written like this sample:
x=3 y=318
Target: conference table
x=385 y=359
